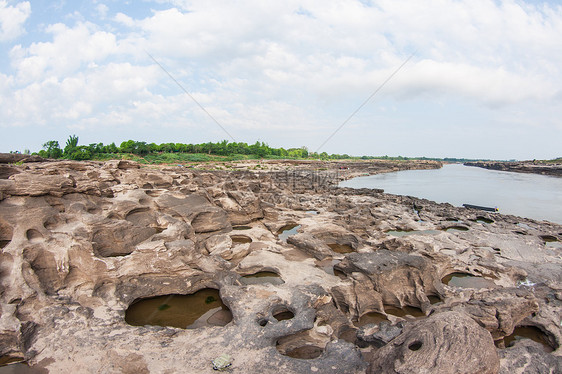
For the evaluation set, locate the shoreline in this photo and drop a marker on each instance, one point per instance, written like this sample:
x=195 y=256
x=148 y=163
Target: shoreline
x=529 y=167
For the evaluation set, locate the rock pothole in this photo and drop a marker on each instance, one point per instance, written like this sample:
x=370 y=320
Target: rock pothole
x=203 y=308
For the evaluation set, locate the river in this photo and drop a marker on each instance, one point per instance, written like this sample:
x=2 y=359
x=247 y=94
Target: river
x=526 y=195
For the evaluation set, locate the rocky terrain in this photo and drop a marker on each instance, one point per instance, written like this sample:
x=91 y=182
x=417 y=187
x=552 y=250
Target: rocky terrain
x=554 y=169
x=367 y=283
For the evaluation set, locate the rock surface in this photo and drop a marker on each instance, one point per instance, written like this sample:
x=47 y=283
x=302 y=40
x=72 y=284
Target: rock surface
x=521 y=167
x=82 y=241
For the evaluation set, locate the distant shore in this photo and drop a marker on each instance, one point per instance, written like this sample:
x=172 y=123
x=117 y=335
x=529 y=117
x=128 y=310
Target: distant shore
x=533 y=167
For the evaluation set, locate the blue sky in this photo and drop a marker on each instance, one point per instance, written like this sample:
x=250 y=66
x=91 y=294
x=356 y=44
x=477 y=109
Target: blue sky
x=485 y=80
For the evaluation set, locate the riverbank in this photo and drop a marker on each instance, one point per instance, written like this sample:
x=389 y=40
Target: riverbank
x=554 y=169
x=368 y=281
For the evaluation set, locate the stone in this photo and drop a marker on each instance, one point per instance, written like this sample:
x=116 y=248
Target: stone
x=449 y=342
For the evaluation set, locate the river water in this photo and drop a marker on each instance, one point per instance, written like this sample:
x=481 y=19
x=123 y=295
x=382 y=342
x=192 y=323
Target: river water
x=526 y=195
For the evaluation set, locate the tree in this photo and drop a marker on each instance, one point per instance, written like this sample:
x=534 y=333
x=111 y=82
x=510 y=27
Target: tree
x=52 y=149
x=71 y=144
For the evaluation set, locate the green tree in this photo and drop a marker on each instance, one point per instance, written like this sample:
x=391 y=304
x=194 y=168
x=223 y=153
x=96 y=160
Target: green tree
x=52 y=149
x=71 y=144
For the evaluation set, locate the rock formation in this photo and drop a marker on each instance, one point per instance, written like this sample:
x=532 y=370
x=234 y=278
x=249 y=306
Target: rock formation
x=369 y=283
x=531 y=167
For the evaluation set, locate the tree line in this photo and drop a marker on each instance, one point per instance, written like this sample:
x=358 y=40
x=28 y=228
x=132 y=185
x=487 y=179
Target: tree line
x=73 y=151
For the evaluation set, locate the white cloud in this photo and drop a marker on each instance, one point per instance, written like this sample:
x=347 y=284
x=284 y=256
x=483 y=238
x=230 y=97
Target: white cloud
x=102 y=10
x=12 y=19
x=70 y=50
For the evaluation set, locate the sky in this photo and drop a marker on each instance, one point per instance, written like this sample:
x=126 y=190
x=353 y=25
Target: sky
x=445 y=78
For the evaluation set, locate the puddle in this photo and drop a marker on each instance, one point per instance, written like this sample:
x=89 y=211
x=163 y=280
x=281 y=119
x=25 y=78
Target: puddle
x=306 y=352
x=464 y=280
x=481 y=219
x=340 y=248
x=401 y=233
x=311 y=212
x=286 y=231
x=300 y=345
x=241 y=228
x=524 y=225
x=201 y=309
x=371 y=317
x=434 y=299
x=456 y=229
x=240 y=239
x=551 y=241
x=282 y=313
x=553 y=245
x=261 y=278
x=527 y=332
x=406 y=312
x=19 y=368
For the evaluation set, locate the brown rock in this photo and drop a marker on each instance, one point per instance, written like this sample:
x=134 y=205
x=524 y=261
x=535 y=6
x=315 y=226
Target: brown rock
x=448 y=342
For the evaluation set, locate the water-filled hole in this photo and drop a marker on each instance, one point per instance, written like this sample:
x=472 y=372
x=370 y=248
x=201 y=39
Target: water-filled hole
x=415 y=346
x=282 y=313
x=528 y=332
x=314 y=212
x=17 y=365
x=464 y=280
x=404 y=312
x=481 y=219
x=261 y=278
x=241 y=228
x=240 y=239
x=456 y=229
x=304 y=345
x=305 y=352
x=340 y=248
x=200 y=309
x=371 y=317
x=287 y=230
x=433 y=299
x=520 y=232
x=549 y=238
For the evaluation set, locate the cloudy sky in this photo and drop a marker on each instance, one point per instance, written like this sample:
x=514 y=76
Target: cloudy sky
x=485 y=79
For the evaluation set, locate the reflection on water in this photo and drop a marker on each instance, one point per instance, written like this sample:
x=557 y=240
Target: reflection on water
x=463 y=280
x=261 y=278
x=372 y=317
x=203 y=308
x=19 y=368
x=404 y=312
x=287 y=230
x=528 y=332
x=527 y=195
x=241 y=228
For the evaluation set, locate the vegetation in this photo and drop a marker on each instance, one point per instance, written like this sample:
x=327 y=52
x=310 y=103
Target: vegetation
x=178 y=152
x=173 y=152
